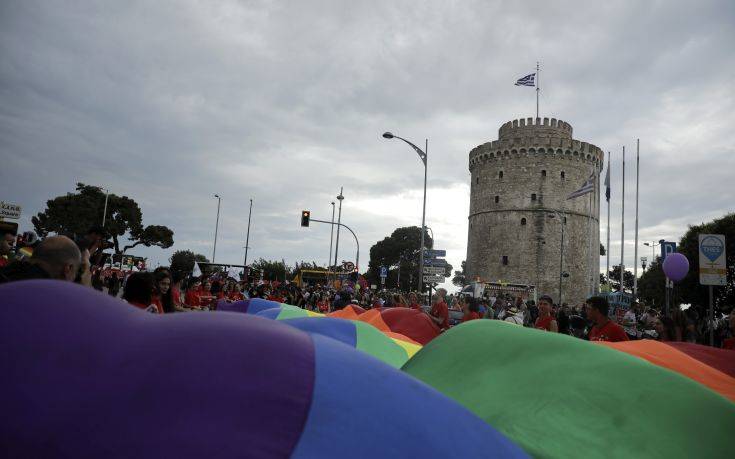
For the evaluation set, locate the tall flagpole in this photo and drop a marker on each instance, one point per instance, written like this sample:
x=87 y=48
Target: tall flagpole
x=635 y=250
x=537 y=87
x=591 y=256
x=622 y=231
x=607 y=271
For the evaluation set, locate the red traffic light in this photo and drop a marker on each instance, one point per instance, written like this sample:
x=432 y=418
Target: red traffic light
x=305 y=217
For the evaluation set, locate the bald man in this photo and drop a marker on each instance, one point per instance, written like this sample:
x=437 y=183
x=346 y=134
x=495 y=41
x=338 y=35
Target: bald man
x=57 y=257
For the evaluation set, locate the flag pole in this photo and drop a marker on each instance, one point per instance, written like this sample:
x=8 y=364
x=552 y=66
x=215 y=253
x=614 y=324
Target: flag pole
x=537 y=87
x=589 y=225
x=622 y=231
x=635 y=250
x=607 y=270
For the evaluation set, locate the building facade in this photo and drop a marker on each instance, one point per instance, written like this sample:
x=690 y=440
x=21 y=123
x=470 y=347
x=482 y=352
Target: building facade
x=518 y=204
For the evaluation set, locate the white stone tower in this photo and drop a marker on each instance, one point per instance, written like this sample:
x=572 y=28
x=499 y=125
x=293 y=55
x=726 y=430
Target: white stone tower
x=518 y=182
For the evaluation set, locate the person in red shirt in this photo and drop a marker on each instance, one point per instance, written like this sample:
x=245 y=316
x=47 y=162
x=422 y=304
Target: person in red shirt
x=413 y=302
x=234 y=293
x=471 y=310
x=193 y=295
x=323 y=303
x=545 y=320
x=139 y=292
x=604 y=328
x=439 y=310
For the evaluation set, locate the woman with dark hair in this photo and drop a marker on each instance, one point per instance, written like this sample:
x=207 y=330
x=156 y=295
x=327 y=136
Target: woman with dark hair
x=162 y=295
x=113 y=285
x=471 y=310
x=138 y=291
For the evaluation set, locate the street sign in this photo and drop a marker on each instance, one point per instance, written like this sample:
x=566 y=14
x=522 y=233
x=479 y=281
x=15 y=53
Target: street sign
x=431 y=279
x=712 y=268
x=435 y=262
x=666 y=249
x=434 y=270
x=383 y=272
x=8 y=210
x=435 y=253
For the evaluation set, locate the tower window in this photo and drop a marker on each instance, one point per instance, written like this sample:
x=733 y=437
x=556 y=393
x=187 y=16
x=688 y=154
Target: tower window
x=543 y=173
x=500 y=174
x=477 y=180
x=497 y=199
x=533 y=197
x=562 y=175
x=523 y=222
x=505 y=260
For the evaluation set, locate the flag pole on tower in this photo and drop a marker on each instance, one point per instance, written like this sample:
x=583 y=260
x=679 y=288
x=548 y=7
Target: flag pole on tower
x=537 y=87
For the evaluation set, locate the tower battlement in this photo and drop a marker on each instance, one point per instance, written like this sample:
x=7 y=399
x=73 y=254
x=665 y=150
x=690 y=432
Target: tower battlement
x=535 y=127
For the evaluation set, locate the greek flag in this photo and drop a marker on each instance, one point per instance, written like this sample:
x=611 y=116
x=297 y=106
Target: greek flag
x=587 y=187
x=528 y=80
x=607 y=183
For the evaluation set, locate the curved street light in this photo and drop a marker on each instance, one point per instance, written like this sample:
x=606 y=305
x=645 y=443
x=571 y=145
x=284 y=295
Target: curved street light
x=423 y=155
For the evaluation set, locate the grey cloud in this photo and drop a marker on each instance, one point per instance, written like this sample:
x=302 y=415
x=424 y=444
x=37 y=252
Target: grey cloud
x=170 y=103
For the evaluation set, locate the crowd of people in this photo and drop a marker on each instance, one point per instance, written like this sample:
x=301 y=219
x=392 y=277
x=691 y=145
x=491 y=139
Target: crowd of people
x=164 y=291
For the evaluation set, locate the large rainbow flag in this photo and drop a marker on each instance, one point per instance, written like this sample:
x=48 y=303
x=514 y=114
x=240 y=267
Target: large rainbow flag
x=86 y=375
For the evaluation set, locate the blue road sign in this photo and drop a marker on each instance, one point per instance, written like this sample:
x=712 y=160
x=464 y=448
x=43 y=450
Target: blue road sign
x=666 y=249
x=383 y=271
x=435 y=262
x=435 y=253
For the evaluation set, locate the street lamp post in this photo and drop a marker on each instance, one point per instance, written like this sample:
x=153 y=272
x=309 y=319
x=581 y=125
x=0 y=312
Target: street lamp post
x=331 y=239
x=216 y=228
x=247 y=240
x=424 y=159
x=104 y=212
x=339 y=220
x=653 y=246
x=562 y=223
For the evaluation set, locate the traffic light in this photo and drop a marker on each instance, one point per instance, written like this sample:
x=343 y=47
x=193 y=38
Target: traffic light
x=305 y=216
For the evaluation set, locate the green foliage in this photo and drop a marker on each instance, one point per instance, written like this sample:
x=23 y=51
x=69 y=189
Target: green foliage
x=183 y=260
x=602 y=250
x=400 y=253
x=689 y=288
x=628 y=279
x=652 y=285
x=75 y=213
x=273 y=270
x=459 y=277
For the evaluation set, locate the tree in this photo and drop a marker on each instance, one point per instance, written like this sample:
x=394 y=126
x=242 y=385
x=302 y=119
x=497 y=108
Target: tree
x=273 y=270
x=689 y=288
x=400 y=253
x=459 y=278
x=183 y=260
x=628 y=279
x=651 y=285
x=602 y=250
x=75 y=213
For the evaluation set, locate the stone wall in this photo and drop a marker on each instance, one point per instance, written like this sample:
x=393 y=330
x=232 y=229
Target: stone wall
x=517 y=182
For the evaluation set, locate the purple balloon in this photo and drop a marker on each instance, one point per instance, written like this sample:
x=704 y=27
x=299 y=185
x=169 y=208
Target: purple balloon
x=676 y=266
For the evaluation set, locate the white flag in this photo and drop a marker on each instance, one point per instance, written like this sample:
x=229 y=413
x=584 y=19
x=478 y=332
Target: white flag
x=197 y=272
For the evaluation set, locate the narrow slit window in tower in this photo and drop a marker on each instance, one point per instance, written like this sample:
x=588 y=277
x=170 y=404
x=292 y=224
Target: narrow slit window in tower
x=500 y=174
x=497 y=199
x=523 y=222
x=562 y=175
x=533 y=197
x=543 y=173
x=477 y=180
x=505 y=260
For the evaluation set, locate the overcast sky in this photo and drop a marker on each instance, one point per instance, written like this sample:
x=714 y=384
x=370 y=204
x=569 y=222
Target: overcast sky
x=285 y=102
